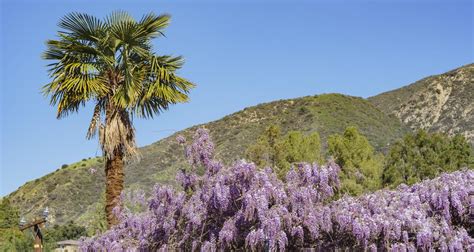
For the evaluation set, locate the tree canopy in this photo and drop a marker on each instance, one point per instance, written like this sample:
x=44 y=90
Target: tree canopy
x=11 y=238
x=423 y=155
x=361 y=167
x=272 y=149
x=68 y=231
x=112 y=63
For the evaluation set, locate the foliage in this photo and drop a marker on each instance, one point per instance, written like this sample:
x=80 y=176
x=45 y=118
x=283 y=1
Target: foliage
x=241 y=207
x=274 y=150
x=73 y=190
x=228 y=207
x=269 y=150
x=361 y=167
x=424 y=155
x=94 y=218
x=69 y=231
x=11 y=238
x=301 y=148
x=9 y=215
x=112 y=63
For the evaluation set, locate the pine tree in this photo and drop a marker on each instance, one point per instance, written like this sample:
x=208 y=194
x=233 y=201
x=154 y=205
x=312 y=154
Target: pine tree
x=361 y=167
x=280 y=152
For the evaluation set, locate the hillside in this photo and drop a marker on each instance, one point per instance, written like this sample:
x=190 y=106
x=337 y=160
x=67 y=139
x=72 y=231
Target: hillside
x=442 y=102
x=72 y=191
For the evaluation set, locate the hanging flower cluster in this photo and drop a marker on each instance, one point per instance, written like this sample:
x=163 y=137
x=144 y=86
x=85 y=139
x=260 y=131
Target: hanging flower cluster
x=240 y=206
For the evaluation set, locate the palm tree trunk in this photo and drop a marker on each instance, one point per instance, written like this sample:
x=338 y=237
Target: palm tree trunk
x=114 y=185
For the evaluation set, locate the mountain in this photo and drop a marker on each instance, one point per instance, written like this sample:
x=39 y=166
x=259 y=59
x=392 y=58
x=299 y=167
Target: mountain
x=72 y=191
x=442 y=102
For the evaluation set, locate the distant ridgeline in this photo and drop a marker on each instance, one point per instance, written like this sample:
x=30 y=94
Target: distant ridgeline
x=439 y=103
x=73 y=193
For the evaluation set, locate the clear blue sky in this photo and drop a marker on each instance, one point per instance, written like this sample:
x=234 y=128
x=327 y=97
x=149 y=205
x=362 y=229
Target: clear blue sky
x=238 y=54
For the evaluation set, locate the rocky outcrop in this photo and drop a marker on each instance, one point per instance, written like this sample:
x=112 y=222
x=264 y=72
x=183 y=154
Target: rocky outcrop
x=442 y=103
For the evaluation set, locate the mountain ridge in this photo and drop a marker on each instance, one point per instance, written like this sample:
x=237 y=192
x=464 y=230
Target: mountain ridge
x=441 y=103
x=72 y=191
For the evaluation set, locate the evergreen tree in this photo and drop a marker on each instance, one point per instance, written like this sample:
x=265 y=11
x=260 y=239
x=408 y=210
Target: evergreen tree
x=278 y=152
x=361 y=167
x=68 y=231
x=425 y=155
x=11 y=238
x=301 y=148
x=268 y=151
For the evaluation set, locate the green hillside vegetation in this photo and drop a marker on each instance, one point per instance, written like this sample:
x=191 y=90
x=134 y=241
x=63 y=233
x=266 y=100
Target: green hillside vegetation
x=94 y=218
x=56 y=233
x=416 y=157
x=73 y=191
x=422 y=155
x=11 y=238
x=361 y=167
x=58 y=189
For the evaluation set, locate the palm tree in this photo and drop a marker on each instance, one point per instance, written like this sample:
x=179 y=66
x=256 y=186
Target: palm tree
x=111 y=63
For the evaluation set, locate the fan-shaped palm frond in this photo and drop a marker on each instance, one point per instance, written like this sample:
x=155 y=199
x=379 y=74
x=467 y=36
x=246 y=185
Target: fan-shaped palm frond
x=82 y=26
x=112 y=63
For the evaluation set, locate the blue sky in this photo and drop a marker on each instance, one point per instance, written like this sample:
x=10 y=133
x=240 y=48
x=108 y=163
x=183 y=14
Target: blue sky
x=239 y=53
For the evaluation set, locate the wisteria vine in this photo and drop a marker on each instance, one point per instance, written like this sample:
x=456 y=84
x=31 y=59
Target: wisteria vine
x=241 y=207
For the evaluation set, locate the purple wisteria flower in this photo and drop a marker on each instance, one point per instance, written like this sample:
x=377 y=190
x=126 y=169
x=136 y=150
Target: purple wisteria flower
x=240 y=206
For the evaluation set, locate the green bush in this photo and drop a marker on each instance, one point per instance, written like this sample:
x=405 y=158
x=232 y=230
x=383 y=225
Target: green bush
x=303 y=110
x=423 y=155
x=69 y=231
x=11 y=238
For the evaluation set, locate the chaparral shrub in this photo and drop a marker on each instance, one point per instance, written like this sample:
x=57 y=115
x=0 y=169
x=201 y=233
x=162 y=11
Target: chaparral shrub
x=241 y=207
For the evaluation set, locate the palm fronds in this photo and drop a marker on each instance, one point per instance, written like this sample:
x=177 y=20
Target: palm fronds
x=112 y=63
